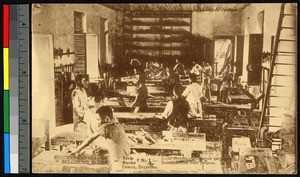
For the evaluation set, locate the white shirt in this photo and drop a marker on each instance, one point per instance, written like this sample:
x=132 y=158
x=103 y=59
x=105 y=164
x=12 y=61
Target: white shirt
x=193 y=93
x=80 y=101
x=197 y=69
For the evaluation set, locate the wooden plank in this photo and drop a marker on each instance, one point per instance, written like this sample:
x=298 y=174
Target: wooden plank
x=164 y=23
x=134 y=115
x=160 y=15
x=187 y=135
x=153 y=109
x=175 y=145
x=227 y=106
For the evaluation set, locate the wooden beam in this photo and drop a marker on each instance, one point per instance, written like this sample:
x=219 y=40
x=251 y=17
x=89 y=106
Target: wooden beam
x=219 y=7
x=179 y=7
x=211 y=8
x=232 y=7
x=241 y=7
x=215 y=7
x=202 y=7
x=113 y=7
x=226 y=7
x=245 y=6
x=165 y=7
x=155 y=7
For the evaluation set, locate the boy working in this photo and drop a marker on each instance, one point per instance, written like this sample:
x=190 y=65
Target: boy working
x=113 y=132
x=140 y=102
x=176 y=111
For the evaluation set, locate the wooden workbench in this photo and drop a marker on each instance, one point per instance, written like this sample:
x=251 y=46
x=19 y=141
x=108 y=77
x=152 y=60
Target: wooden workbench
x=227 y=106
x=188 y=142
x=149 y=122
x=131 y=115
x=231 y=113
x=207 y=159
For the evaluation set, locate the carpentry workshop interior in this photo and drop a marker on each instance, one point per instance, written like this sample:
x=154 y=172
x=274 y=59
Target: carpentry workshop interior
x=164 y=88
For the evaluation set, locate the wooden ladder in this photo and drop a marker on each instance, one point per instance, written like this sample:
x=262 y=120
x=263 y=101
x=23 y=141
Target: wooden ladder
x=281 y=82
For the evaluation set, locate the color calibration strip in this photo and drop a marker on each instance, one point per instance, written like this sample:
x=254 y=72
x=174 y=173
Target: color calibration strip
x=11 y=88
x=6 y=115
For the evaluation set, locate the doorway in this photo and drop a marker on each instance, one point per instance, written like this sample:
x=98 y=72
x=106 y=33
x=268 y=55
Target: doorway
x=92 y=55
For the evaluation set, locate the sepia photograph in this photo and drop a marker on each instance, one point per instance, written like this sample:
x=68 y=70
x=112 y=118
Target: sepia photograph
x=164 y=88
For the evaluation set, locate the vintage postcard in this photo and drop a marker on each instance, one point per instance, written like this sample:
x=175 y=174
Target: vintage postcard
x=188 y=88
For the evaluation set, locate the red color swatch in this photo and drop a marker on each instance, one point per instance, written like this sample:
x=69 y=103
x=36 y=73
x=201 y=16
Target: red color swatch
x=5 y=26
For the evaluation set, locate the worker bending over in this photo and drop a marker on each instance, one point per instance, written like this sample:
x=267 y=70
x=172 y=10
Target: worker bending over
x=113 y=132
x=140 y=102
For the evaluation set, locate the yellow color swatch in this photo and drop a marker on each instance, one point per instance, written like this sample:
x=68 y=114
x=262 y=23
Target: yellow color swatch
x=6 y=68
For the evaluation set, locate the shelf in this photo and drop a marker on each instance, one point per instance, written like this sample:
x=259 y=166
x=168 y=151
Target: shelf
x=171 y=57
x=159 y=47
x=162 y=40
x=163 y=23
x=164 y=35
x=156 y=31
x=158 y=15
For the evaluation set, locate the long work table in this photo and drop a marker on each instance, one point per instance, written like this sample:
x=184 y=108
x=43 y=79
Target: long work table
x=166 y=140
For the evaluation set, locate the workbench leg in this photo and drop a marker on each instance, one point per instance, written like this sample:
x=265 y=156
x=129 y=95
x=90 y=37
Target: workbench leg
x=225 y=160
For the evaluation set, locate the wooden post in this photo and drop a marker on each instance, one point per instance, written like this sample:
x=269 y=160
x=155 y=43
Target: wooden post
x=47 y=143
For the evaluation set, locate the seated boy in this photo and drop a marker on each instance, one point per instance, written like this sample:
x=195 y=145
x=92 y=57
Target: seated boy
x=176 y=111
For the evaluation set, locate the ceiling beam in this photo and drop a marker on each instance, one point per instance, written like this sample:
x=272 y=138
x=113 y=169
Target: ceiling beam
x=178 y=7
x=113 y=7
